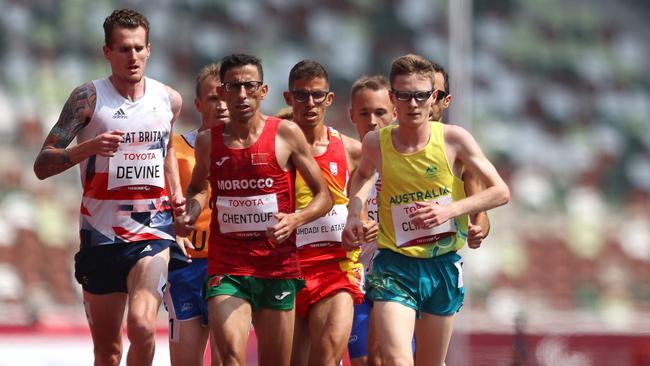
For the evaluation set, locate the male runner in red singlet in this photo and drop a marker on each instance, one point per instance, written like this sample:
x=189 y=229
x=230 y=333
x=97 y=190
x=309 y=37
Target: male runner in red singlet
x=334 y=276
x=123 y=125
x=184 y=300
x=253 y=260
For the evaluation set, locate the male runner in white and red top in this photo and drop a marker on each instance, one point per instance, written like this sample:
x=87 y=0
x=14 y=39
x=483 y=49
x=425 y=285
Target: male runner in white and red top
x=122 y=124
x=253 y=259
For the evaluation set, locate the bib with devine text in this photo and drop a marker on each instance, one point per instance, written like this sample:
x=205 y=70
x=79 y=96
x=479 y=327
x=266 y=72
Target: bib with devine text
x=136 y=168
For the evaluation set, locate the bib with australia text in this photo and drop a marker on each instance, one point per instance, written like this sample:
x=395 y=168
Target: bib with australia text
x=421 y=176
x=407 y=233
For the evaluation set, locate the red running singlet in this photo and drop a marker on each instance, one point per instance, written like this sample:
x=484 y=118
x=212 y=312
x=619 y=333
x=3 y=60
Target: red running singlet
x=248 y=188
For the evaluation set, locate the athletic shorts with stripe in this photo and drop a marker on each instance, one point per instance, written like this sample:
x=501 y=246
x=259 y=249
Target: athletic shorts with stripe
x=430 y=285
x=273 y=294
x=184 y=299
x=103 y=269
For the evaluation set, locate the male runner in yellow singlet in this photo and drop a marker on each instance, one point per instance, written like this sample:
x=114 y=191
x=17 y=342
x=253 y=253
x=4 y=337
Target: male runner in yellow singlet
x=422 y=217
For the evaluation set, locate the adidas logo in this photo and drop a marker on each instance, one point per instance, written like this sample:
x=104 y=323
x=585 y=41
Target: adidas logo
x=147 y=249
x=120 y=114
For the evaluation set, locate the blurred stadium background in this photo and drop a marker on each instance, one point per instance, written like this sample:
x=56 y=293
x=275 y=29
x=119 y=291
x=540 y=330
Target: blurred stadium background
x=556 y=92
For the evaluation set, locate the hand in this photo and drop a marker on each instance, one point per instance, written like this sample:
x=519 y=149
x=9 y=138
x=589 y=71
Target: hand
x=107 y=143
x=283 y=229
x=352 y=234
x=370 y=230
x=429 y=214
x=184 y=243
x=184 y=225
x=178 y=204
x=475 y=236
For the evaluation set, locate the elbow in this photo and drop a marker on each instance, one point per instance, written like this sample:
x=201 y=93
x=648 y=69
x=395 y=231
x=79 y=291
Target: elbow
x=504 y=196
x=40 y=173
x=330 y=201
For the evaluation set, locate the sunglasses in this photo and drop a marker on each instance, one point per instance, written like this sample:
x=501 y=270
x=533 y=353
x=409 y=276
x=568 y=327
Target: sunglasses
x=420 y=96
x=318 y=96
x=249 y=86
x=441 y=94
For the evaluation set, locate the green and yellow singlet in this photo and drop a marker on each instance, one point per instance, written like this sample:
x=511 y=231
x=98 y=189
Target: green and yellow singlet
x=416 y=177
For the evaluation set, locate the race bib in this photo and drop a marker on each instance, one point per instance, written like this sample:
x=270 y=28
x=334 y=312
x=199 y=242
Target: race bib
x=326 y=229
x=373 y=209
x=246 y=216
x=129 y=168
x=407 y=233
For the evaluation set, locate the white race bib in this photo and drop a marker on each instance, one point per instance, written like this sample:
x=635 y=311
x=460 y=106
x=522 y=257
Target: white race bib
x=136 y=168
x=251 y=214
x=326 y=229
x=373 y=208
x=407 y=233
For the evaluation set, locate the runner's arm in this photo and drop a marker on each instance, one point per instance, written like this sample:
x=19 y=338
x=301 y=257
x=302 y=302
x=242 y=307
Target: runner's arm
x=495 y=192
x=55 y=155
x=197 y=190
x=171 y=164
x=360 y=187
x=306 y=165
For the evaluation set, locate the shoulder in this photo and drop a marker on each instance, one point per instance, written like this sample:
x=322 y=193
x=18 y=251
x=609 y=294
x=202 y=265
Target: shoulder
x=352 y=146
x=204 y=137
x=85 y=91
x=203 y=140
x=175 y=99
x=291 y=138
x=288 y=128
x=456 y=134
x=88 y=86
x=83 y=99
x=371 y=137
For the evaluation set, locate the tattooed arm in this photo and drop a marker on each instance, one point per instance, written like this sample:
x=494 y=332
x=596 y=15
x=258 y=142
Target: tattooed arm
x=55 y=156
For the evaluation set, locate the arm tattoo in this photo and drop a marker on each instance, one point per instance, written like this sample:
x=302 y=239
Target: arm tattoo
x=53 y=158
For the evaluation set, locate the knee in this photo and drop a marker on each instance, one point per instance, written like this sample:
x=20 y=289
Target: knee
x=141 y=330
x=230 y=357
x=108 y=355
x=397 y=360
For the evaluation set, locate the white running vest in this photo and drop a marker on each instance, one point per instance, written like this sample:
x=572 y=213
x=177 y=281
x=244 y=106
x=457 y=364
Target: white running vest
x=124 y=197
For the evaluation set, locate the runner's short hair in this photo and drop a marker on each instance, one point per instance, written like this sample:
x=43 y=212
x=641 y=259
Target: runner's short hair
x=411 y=64
x=211 y=70
x=239 y=60
x=307 y=69
x=372 y=82
x=124 y=18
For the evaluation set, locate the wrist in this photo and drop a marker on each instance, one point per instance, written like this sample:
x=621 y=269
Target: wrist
x=193 y=209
